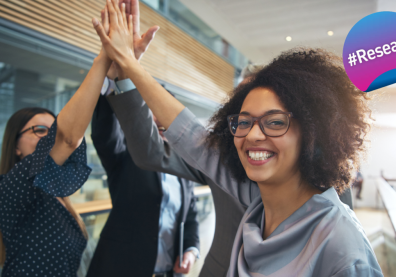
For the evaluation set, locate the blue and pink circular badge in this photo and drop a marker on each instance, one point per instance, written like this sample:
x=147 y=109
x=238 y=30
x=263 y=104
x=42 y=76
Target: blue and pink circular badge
x=369 y=52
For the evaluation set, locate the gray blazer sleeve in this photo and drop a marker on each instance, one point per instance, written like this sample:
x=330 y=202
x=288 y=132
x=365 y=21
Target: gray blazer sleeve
x=146 y=147
x=186 y=135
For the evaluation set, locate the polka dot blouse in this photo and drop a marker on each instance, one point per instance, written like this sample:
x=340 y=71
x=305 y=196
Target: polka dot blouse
x=40 y=235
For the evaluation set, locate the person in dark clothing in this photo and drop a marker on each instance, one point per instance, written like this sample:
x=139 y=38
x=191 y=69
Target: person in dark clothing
x=357 y=184
x=131 y=241
x=143 y=231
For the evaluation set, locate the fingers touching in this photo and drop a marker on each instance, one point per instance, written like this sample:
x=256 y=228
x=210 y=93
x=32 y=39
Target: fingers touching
x=130 y=24
x=100 y=30
x=113 y=14
x=127 y=6
x=105 y=19
x=124 y=17
x=118 y=11
x=134 y=4
x=117 y=23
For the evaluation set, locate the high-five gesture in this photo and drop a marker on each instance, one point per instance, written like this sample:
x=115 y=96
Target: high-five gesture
x=117 y=46
x=119 y=41
x=140 y=43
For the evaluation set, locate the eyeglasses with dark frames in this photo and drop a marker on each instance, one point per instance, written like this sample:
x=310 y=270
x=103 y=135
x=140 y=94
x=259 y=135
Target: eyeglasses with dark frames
x=38 y=130
x=274 y=124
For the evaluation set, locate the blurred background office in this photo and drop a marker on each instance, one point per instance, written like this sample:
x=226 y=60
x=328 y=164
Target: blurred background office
x=198 y=55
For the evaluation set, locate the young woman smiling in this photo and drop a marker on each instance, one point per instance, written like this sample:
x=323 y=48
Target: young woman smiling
x=284 y=144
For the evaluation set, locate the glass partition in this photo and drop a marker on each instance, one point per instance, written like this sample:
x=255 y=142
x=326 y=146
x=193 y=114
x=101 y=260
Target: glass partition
x=20 y=88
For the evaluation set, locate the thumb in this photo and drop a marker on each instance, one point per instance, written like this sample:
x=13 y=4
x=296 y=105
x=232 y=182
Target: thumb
x=149 y=35
x=99 y=30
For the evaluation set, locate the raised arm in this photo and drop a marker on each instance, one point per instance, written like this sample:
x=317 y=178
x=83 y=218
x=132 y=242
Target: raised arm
x=107 y=135
x=76 y=115
x=147 y=148
x=189 y=143
x=117 y=47
x=74 y=118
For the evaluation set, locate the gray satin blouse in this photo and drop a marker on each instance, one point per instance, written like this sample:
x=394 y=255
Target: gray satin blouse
x=322 y=238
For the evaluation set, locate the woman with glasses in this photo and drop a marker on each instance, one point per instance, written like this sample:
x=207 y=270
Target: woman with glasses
x=284 y=144
x=43 y=161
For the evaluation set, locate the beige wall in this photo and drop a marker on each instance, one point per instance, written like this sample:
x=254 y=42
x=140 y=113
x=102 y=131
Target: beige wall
x=381 y=154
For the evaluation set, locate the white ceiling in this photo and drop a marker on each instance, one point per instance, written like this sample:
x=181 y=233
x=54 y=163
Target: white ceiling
x=258 y=28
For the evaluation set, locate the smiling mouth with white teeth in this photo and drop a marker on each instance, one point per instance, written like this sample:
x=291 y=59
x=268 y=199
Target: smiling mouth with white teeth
x=260 y=155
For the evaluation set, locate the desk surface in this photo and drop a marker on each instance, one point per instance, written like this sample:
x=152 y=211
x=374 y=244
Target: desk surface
x=104 y=205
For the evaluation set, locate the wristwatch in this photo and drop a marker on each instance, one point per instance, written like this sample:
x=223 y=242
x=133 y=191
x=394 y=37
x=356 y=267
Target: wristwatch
x=123 y=86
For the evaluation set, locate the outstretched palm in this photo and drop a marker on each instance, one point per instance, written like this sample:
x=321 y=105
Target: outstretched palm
x=140 y=42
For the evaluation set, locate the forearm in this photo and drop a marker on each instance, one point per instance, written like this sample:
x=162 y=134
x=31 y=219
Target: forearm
x=148 y=150
x=106 y=135
x=163 y=105
x=74 y=118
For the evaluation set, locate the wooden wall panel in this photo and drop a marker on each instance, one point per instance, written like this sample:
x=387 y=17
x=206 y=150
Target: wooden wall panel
x=173 y=56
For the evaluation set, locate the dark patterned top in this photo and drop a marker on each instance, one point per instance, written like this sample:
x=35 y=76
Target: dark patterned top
x=40 y=235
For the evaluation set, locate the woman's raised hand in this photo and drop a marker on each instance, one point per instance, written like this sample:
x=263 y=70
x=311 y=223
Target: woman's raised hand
x=118 y=44
x=140 y=42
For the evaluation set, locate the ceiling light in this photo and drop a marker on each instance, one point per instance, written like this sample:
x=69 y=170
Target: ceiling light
x=330 y=33
x=288 y=38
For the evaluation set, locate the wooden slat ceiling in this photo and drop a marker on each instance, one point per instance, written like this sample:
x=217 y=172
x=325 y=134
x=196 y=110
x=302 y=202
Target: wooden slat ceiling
x=173 y=56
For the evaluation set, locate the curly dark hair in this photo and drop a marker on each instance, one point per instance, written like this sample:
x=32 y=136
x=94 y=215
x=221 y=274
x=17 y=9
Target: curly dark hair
x=332 y=113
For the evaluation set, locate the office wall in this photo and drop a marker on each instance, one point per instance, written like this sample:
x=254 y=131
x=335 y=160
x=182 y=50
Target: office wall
x=381 y=148
x=174 y=56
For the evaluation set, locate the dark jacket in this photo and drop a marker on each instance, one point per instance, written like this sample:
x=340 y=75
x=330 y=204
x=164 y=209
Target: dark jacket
x=129 y=240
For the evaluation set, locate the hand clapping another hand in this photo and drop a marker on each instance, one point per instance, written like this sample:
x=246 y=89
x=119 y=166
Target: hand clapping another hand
x=140 y=42
x=114 y=68
x=120 y=38
x=120 y=33
x=120 y=47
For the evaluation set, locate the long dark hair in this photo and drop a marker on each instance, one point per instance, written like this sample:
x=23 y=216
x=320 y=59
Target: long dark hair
x=14 y=125
x=9 y=158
